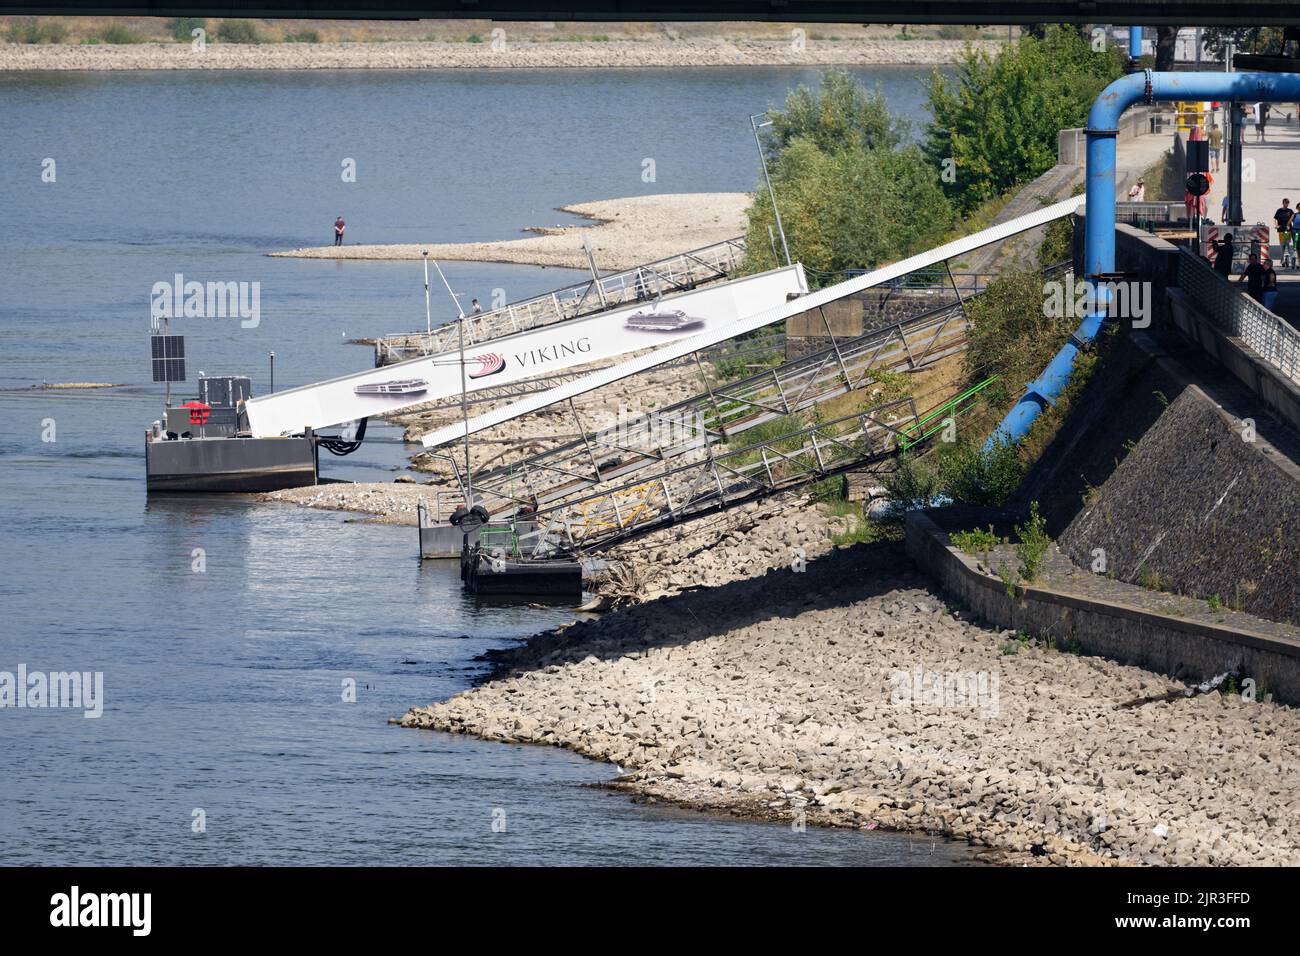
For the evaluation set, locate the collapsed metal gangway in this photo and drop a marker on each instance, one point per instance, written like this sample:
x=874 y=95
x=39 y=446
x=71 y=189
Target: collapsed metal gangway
x=721 y=332
x=550 y=349
x=679 y=273
x=727 y=476
x=734 y=442
x=719 y=413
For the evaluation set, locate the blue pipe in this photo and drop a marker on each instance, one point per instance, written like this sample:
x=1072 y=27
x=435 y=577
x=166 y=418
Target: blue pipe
x=1099 y=204
x=1134 y=43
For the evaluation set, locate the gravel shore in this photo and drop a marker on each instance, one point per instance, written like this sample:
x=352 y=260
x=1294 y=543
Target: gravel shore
x=849 y=694
x=513 y=55
x=623 y=233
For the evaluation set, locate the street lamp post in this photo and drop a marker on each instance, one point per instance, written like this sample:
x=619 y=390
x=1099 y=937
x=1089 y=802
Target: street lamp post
x=762 y=159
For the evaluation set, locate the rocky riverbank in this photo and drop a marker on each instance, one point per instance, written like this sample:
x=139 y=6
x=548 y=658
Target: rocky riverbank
x=507 y=54
x=848 y=694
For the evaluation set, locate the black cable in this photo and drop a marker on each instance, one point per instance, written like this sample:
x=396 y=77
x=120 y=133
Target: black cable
x=339 y=446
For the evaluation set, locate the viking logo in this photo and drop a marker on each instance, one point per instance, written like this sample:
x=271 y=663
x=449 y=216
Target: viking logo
x=489 y=364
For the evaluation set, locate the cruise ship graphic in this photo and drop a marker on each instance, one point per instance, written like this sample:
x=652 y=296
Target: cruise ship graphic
x=404 y=386
x=669 y=320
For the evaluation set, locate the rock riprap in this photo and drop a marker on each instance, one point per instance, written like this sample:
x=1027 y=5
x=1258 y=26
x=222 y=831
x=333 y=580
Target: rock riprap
x=851 y=695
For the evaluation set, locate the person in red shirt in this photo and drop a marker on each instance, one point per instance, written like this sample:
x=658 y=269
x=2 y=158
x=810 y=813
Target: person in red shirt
x=339 y=226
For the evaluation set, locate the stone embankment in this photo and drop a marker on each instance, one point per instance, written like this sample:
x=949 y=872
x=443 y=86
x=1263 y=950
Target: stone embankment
x=521 y=55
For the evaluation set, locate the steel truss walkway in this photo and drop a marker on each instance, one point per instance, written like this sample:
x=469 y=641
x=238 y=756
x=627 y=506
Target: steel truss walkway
x=727 y=477
x=691 y=459
x=719 y=413
x=679 y=273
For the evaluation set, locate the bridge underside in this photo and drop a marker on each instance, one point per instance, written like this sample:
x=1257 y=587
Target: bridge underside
x=1143 y=12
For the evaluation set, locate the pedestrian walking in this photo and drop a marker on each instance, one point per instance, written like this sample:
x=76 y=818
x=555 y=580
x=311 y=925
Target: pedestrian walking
x=1283 y=218
x=1270 y=285
x=1253 y=275
x=1223 y=253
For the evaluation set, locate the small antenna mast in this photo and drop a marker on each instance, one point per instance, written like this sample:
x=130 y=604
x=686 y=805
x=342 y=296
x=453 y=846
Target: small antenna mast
x=464 y=385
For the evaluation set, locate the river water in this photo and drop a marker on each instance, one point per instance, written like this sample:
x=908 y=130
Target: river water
x=230 y=632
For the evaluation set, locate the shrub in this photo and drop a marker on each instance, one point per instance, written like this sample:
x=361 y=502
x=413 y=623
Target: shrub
x=913 y=484
x=1058 y=242
x=118 y=33
x=975 y=541
x=1032 y=543
x=1011 y=337
x=239 y=31
x=834 y=488
x=31 y=30
x=959 y=31
x=1010 y=578
x=302 y=36
x=182 y=28
x=971 y=475
x=473 y=38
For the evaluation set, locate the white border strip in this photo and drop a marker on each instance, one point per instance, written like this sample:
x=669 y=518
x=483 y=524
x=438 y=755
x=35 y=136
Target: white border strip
x=803 y=303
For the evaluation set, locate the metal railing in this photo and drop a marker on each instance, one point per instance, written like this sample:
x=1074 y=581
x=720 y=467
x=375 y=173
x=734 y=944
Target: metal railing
x=726 y=476
x=921 y=280
x=444 y=503
x=678 y=273
x=1267 y=335
x=1150 y=212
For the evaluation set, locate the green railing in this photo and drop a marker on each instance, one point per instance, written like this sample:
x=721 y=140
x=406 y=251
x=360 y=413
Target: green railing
x=499 y=536
x=935 y=420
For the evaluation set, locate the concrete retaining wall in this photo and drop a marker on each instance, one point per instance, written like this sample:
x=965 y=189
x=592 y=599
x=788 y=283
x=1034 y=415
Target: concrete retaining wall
x=1139 y=251
x=1189 y=650
x=1072 y=144
x=856 y=315
x=1270 y=386
x=1157 y=261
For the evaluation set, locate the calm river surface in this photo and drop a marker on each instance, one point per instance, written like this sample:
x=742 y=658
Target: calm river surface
x=223 y=689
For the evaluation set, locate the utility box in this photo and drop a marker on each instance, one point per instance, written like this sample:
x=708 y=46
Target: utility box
x=225 y=391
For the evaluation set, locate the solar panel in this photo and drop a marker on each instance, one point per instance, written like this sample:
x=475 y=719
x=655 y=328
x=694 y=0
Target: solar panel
x=168 y=352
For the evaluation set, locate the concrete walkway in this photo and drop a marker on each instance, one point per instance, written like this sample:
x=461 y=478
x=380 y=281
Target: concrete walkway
x=1276 y=177
x=1132 y=158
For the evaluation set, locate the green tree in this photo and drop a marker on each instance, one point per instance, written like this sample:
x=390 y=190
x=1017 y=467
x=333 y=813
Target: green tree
x=1011 y=336
x=995 y=121
x=1243 y=39
x=841 y=113
x=851 y=195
